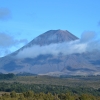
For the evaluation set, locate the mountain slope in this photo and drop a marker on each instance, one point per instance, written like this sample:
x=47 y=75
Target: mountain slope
x=50 y=37
x=73 y=64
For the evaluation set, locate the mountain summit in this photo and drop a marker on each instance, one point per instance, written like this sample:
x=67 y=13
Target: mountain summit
x=50 y=37
x=53 y=36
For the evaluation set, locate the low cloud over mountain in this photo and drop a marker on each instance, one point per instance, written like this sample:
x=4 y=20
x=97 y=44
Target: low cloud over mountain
x=88 y=42
x=56 y=52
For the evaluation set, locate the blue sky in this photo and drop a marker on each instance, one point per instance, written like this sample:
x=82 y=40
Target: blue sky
x=23 y=20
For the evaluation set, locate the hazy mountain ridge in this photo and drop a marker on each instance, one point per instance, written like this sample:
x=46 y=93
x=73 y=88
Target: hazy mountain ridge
x=85 y=63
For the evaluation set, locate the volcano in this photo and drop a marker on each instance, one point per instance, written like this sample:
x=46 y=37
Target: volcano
x=86 y=63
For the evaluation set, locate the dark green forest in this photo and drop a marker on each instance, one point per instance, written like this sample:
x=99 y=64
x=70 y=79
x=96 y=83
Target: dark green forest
x=37 y=88
x=6 y=76
x=15 y=87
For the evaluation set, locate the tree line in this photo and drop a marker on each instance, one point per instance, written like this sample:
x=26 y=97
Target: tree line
x=6 y=76
x=37 y=88
x=30 y=95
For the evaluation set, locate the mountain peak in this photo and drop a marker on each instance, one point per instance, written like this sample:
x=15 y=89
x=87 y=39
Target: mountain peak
x=53 y=36
x=31 y=60
x=50 y=37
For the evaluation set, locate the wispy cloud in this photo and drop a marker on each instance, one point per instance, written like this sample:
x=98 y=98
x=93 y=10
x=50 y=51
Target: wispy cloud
x=5 y=14
x=7 y=41
x=88 y=36
x=55 y=49
x=87 y=42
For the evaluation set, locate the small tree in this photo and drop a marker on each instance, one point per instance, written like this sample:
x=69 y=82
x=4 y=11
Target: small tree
x=13 y=94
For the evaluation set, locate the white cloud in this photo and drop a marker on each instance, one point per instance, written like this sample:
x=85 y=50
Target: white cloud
x=7 y=42
x=64 y=48
x=88 y=36
x=86 y=43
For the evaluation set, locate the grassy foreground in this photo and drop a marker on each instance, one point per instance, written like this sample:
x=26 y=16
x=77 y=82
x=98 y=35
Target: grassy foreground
x=30 y=95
